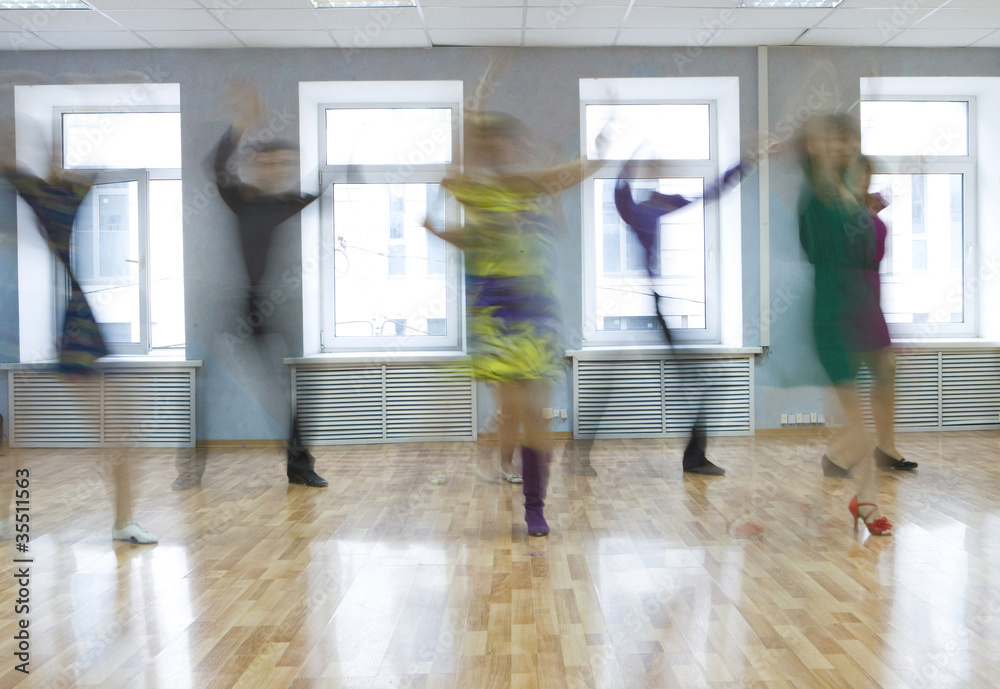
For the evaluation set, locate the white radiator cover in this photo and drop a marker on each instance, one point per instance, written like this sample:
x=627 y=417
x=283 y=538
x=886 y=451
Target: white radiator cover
x=342 y=404
x=134 y=407
x=660 y=397
x=943 y=390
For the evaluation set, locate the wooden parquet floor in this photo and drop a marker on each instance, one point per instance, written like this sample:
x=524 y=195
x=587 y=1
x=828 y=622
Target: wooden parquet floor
x=386 y=579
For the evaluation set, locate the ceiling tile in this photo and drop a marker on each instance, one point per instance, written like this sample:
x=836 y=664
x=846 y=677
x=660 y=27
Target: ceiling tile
x=59 y=20
x=286 y=39
x=576 y=3
x=656 y=37
x=479 y=18
x=389 y=38
x=144 y=4
x=476 y=36
x=745 y=37
x=939 y=38
x=470 y=3
x=23 y=40
x=268 y=20
x=383 y=18
x=259 y=4
x=748 y=18
x=695 y=4
x=172 y=20
x=569 y=37
x=574 y=17
x=191 y=39
x=866 y=37
x=94 y=40
x=896 y=18
x=673 y=18
x=961 y=19
x=992 y=40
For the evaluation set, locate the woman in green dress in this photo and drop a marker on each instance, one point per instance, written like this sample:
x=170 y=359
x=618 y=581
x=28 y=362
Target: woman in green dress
x=837 y=233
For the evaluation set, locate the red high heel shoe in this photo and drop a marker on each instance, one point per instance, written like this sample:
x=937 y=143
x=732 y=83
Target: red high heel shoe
x=879 y=527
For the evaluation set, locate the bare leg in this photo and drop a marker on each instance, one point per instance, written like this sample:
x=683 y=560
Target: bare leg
x=534 y=396
x=882 y=364
x=507 y=427
x=124 y=528
x=123 y=491
x=851 y=450
x=8 y=467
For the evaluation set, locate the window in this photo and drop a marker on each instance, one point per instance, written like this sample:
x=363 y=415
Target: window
x=127 y=245
x=388 y=282
x=670 y=127
x=925 y=168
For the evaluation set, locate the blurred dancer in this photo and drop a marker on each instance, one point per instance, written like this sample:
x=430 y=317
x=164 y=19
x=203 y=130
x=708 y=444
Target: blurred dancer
x=874 y=341
x=837 y=233
x=261 y=205
x=514 y=318
x=644 y=221
x=55 y=202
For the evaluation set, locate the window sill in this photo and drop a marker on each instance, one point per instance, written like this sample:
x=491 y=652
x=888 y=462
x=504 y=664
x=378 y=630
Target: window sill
x=944 y=343
x=377 y=358
x=646 y=352
x=114 y=362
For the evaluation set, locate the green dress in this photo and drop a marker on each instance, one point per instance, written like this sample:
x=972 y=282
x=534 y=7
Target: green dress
x=838 y=240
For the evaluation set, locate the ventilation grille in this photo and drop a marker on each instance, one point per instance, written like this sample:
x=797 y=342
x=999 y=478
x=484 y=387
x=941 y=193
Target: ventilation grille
x=140 y=408
x=662 y=397
x=942 y=390
x=384 y=404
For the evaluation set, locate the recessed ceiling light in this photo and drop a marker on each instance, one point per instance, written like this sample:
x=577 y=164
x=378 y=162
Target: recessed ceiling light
x=782 y=4
x=43 y=5
x=326 y=4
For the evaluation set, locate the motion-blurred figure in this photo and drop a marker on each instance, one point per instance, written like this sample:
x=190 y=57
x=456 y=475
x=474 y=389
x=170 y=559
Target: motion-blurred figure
x=874 y=344
x=644 y=221
x=55 y=203
x=261 y=204
x=514 y=316
x=838 y=235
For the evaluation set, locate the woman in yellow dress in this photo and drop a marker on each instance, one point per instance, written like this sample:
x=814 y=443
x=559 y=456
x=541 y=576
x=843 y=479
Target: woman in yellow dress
x=513 y=315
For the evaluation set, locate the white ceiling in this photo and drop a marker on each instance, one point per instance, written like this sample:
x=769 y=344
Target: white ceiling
x=123 y=24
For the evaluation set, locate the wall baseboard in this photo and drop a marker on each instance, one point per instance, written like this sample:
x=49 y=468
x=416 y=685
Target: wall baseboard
x=806 y=431
x=280 y=443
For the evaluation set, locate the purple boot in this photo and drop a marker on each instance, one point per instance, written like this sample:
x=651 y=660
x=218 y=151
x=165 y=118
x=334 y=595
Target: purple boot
x=535 y=469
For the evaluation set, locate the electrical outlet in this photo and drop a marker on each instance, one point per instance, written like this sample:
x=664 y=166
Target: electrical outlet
x=798 y=418
x=821 y=420
x=814 y=418
x=784 y=419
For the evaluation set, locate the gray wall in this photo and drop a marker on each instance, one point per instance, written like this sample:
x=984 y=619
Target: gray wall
x=541 y=87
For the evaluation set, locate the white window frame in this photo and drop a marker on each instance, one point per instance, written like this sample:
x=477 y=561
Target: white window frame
x=319 y=246
x=142 y=177
x=40 y=278
x=723 y=307
x=967 y=167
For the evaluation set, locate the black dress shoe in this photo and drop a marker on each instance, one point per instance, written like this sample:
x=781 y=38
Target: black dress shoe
x=884 y=461
x=834 y=470
x=306 y=477
x=704 y=467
